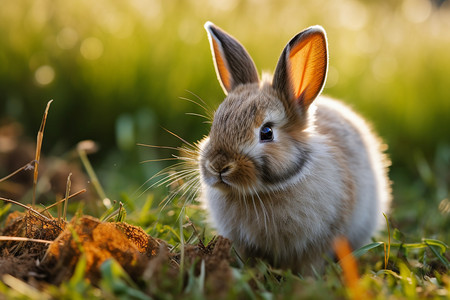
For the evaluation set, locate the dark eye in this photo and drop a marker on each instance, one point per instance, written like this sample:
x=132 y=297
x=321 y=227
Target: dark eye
x=266 y=134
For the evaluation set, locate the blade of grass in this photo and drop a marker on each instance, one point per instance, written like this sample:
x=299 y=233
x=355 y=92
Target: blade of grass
x=121 y=214
x=386 y=255
x=364 y=249
x=78 y=277
x=181 y=273
x=439 y=256
x=408 y=281
x=59 y=209
x=23 y=239
x=28 y=166
x=26 y=207
x=23 y=288
x=5 y=209
x=94 y=179
x=66 y=198
x=40 y=137
x=388 y=272
x=442 y=246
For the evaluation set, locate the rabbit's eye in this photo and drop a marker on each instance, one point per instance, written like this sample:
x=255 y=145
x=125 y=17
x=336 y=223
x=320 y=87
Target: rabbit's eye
x=266 y=134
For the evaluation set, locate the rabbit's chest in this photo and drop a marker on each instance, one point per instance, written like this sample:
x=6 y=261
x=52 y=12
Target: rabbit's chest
x=277 y=221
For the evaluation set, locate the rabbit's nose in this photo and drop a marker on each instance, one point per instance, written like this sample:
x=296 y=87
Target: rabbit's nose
x=219 y=168
x=225 y=169
x=221 y=165
x=222 y=172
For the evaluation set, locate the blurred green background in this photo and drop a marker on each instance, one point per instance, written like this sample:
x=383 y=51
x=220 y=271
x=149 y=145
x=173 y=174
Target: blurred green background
x=117 y=69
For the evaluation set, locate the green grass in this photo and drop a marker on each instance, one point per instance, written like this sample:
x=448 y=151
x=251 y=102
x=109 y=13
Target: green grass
x=417 y=269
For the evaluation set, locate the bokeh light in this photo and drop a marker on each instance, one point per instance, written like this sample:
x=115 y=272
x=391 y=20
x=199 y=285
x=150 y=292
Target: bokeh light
x=44 y=75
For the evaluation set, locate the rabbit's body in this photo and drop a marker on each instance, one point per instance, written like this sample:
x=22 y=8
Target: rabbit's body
x=281 y=176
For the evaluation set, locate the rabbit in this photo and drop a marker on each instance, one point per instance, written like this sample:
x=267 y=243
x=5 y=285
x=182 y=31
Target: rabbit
x=284 y=171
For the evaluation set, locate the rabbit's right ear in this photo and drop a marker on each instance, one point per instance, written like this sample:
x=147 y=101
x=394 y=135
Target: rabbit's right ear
x=302 y=68
x=233 y=64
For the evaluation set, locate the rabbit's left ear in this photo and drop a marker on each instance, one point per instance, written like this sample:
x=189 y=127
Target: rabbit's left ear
x=302 y=68
x=234 y=65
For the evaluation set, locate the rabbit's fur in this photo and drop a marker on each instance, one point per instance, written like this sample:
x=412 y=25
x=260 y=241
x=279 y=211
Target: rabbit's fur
x=283 y=171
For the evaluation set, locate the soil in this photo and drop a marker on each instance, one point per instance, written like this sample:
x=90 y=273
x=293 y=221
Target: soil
x=144 y=258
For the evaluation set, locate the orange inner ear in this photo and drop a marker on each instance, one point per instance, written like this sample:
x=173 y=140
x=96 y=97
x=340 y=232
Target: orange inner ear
x=308 y=65
x=221 y=66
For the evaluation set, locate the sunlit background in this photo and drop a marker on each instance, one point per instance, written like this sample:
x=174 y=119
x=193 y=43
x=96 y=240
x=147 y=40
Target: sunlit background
x=117 y=69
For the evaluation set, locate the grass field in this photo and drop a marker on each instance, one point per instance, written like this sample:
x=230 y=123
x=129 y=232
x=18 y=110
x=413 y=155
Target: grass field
x=117 y=71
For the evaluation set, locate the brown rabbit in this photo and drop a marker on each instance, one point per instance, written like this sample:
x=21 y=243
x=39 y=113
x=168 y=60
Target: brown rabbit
x=283 y=172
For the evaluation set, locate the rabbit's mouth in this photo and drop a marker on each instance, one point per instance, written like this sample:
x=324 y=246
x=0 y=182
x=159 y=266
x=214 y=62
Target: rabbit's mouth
x=232 y=176
x=223 y=185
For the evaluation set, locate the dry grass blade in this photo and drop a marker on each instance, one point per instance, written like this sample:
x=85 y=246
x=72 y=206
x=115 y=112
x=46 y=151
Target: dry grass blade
x=26 y=207
x=23 y=239
x=28 y=166
x=40 y=137
x=28 y=291
x=64 y=199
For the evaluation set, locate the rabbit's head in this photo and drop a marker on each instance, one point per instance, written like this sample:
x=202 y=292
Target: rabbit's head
x=259 y=136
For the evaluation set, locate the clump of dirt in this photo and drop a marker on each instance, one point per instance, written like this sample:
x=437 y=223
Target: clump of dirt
x=144 y=258
x=20 y=258
x=32 y=226
x=216 y=257
x=98 y=241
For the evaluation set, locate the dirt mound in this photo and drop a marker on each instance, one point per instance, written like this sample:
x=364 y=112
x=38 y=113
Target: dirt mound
x=57 y=246
x=130 y=246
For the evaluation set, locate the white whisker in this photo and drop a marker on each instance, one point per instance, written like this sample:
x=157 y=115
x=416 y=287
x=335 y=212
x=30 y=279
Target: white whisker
x=244 y=199
x=192 y=177
x=172 y=178
x=198 y=115
x=159 y=159
x=195 y=188
x=160 y=147
x=180 y=138
x=187 y=187
x=167 y=173
x=199 y=98
x=263 y=208
x=195 y=102
x=204 y=105
x=171 y=196
x=182 y=178
x=254 y=206
x=159 y=173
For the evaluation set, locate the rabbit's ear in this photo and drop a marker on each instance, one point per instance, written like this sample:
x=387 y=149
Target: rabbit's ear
x=302 y=68
x=233 y=64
